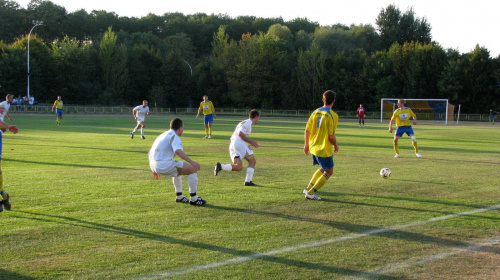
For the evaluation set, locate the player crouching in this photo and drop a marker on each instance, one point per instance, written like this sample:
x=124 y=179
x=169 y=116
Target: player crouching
x=161 y=162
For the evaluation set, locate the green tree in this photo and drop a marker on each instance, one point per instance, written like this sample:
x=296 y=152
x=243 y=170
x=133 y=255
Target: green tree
x=113 y=60
x=395 y=27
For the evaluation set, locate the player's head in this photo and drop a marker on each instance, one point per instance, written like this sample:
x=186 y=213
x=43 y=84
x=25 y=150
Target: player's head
x=254 y=115
x=177 y=125
x=144 y=103
x=58 y=97
x=360 y=105
x=9 y=97
x=329 y=97
x=401 y=103
x=205 y=98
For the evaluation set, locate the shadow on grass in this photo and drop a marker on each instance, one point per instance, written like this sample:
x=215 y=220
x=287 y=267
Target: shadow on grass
x=392 y=233
x=72 y=165
x=193 y=244
x=446 y=203
x=4 y=274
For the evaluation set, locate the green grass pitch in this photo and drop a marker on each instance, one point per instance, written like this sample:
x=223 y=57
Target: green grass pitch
x=85 y=205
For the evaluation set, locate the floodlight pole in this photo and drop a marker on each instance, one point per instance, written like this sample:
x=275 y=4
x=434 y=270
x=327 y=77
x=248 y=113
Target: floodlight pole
x=35 y=24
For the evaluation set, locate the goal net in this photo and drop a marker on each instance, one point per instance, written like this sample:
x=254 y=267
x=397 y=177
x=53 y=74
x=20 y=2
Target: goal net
x=425 y=109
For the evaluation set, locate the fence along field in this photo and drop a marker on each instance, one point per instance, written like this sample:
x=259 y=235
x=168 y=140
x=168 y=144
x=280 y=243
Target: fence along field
x=85 y=205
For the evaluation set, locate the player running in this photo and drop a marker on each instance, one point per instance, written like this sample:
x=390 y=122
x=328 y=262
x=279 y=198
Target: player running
x=319 y=137
x=240 y=148
x=139 y=114
x=402 y=117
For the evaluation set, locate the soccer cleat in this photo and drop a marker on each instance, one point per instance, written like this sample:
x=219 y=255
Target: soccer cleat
x=312 y=197
x=198 y=202
x=209 y=136
x=305 y=191
x=142 y=136
x=250 y=184
x=396 y=156
x=183 y=199
x=6 y=203
x=205 y=137
x=418 y=155
x=132 y=135
x=218 y=168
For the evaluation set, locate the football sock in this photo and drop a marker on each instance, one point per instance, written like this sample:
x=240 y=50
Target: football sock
x=319 y=183
x=314 y=179
x=142 y=131
x=249 y=174
x=206 y=131
x=415 y=146
x=396 y=148
x=2 y=192
x=227 y=167
x=177 y=184
x=193 y=185
x=135 y=129
x=209 y=130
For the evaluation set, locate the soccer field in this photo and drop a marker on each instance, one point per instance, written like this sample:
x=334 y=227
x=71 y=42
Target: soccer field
x=85 y=204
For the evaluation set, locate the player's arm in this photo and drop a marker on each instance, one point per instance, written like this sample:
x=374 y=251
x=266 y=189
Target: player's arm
x=333 y=140
x=307 y=133
x=414 y=119
x=8 y=116
x=134 y=113
x=180 y=153
x=213 y=111
x=53 y=106
x=246 y=139
x=390 y=126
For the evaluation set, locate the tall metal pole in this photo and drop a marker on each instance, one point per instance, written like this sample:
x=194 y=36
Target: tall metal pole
x=35 y=24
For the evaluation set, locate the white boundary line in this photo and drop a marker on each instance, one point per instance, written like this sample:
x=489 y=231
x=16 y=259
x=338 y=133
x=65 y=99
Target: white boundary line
x=313 y=244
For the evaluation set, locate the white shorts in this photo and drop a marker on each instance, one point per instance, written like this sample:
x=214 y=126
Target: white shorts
x=239 y=150
x=140 y=120
x=166 y=168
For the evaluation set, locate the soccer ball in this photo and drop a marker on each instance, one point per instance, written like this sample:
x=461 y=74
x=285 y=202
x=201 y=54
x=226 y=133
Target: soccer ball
x=385 y=173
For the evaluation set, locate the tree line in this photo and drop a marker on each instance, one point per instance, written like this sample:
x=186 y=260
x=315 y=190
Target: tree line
x=100 y=58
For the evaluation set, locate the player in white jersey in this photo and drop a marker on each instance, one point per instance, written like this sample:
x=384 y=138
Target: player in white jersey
x=6 y=105
x=240 y=148
x=161 y=161
x=139 y=114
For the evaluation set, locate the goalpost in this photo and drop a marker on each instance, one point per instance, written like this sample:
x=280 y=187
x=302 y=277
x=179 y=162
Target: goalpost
x=425 y=109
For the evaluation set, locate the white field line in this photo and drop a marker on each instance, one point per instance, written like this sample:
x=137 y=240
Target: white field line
x=313 y=244
x=423 y=260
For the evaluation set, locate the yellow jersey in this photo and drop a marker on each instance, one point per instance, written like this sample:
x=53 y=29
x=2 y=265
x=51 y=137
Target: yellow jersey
x=207 y=107
x=322 y=123
x=58 y=104
x=402 y=117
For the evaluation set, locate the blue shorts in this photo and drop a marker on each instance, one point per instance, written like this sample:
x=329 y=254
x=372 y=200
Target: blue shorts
x=404 y=129
x=324 y=162
x=59 y=112
x=209 y=118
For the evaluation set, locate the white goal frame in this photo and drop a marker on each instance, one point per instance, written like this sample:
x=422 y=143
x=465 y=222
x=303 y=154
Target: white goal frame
x=392 y=99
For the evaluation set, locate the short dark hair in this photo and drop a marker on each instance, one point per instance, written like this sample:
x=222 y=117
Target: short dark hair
x=253 y=113
x=330 y=96
x=176 y=123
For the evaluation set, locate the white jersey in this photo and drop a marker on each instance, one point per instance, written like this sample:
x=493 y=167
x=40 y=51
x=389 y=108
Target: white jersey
x=5 y=105
x=141 y=112
x=246 y=128
x=164 y=147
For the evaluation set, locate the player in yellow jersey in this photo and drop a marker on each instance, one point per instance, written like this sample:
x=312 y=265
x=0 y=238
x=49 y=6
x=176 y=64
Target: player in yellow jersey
x=319 y=137
x=58 y=105
x=402 y=117
x=209 y=114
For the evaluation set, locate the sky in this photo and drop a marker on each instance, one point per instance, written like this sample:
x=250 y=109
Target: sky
x=458 y=25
